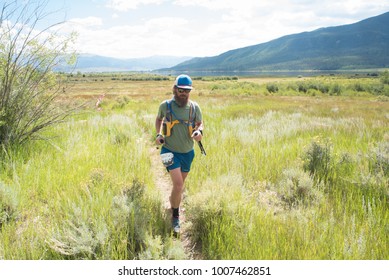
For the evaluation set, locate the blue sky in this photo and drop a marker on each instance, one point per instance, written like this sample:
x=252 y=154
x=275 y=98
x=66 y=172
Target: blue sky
x=142 y=28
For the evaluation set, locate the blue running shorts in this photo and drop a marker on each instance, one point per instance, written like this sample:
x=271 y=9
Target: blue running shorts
x=182 y=160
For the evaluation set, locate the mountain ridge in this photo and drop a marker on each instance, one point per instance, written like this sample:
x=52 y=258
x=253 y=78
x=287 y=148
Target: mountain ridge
x=97 y=63
x=361 y=45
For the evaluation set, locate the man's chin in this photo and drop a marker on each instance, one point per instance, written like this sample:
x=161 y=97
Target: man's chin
x=181 y=101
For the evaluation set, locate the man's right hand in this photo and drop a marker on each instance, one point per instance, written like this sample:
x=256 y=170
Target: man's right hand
x=160 y=139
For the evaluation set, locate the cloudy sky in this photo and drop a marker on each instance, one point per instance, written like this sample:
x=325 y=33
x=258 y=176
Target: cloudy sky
x=142 y=28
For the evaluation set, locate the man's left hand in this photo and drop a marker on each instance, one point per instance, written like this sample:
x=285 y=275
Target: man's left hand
x=197 y=136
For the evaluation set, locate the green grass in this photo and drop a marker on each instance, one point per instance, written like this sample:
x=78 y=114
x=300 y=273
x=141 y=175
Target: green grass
x=336 y=208
x=288 y=175
x=85 y=194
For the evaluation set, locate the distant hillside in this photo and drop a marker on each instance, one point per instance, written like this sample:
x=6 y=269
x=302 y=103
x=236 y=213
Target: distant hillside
x=96 y=63
x=355 y=46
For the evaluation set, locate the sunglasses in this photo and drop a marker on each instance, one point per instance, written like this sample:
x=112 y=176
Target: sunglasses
x=181 y=90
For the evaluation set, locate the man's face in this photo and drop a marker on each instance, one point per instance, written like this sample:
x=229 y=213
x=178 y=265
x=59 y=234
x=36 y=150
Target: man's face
x=181 y=96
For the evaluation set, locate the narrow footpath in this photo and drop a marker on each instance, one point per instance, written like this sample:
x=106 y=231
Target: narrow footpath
x=163 y=183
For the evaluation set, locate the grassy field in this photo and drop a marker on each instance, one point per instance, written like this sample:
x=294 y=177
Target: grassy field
x=296 y=168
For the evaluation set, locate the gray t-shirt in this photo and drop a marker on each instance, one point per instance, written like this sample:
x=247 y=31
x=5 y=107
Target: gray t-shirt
x=180 y=141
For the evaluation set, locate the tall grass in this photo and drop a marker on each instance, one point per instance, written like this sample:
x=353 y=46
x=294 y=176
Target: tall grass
x=301 y=182
x=286 y=176
x=89 y=193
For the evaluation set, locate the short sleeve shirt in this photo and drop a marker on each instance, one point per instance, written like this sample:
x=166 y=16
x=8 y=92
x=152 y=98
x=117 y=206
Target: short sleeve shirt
x=180 y=141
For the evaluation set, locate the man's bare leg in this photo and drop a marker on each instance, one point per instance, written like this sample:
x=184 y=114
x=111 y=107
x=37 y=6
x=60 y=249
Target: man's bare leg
x=178 y=179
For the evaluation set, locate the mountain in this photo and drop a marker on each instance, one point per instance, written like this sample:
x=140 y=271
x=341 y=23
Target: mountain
x=361 y=45
x=96 y=63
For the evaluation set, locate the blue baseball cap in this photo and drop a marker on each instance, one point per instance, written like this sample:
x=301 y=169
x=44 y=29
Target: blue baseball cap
x=183 y=81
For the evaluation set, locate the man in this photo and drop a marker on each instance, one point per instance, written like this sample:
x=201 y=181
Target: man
x=178 y=123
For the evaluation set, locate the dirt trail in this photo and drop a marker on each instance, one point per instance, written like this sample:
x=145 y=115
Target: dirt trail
x=161 y=177
x=163 y=183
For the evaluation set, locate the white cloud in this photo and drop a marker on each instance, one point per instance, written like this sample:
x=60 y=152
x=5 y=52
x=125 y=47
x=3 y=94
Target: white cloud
x=218 y=4
x=247 y=8
x=156 y=36
x=244 y=23
x=165 y=22
x=125 y=5
x=210 y=27
x=87 y=22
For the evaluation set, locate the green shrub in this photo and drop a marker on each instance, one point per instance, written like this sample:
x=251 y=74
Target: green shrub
x=317 y=160
x=358 y=87
x=80 y=237
x=385 y=77
x=324 y=88
x=336 y=89
x=297 y=188
x=29 y=87
x=135 y=219
x=272 y=88
x=302 y=87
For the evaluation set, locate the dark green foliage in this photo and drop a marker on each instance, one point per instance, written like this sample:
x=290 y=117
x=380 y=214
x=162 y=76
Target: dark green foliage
x=140 y=77
x=336 y=89
x=318 y=161
x=302 y=87
x=385 y=77
x=272 y=88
